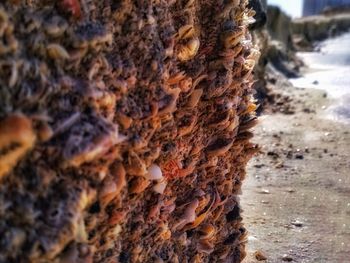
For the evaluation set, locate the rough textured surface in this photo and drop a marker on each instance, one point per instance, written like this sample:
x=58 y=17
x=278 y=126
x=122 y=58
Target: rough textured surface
x=124 y=130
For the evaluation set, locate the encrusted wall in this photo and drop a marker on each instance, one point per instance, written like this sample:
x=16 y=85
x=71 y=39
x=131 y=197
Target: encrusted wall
x=124 y=129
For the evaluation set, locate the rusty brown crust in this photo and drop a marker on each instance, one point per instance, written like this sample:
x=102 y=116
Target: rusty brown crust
x=124 y=130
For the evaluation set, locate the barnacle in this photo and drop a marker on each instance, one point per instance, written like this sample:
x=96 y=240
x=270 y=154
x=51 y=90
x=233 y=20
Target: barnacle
x=92 y=35
x=185 y=32
x=205 y=246
x=233 y=123
x=189 y=4
x=233 y=37
x=136 y=166
x=88 y=143
x=220 y=84
x=138 y=185
x=45 y=132
x=8 y=42
x=113 y=185
x=194 y=98
x=254 y=54
x=249 y=64
x=168 y=103
x=207 y=231
x=176 y=78
x=188 y=216
x=124 y=120
x=4 y=19
x=247 y=18
x=56 y=51
x=55 y=26
x=186 y=85
x=12 y=66
x=17 y=137
x=231 y=54
x=189 y=50
x=219 y=146
x=160 y=186
x=187 y=124
x=248 y=124
x=251 y=108
x=229 y=7
x=219 y=119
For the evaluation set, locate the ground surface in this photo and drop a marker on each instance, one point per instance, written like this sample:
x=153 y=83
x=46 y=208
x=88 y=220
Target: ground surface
x=297 y=194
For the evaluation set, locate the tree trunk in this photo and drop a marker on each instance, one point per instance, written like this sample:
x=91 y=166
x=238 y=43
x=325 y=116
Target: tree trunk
x=124 y=129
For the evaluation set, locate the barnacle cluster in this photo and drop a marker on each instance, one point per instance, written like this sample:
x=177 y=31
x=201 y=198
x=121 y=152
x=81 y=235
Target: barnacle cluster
x=124 y=129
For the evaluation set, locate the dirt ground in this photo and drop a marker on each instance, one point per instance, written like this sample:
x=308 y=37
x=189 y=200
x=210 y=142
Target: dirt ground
x=296 y=197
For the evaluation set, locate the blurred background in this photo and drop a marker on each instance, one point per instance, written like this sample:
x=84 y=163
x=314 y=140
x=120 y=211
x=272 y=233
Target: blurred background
x=296 y=198
x=292 y=8
x=298 y=8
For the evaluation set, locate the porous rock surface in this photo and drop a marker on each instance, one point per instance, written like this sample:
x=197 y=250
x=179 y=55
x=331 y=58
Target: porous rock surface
x=124 y=129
